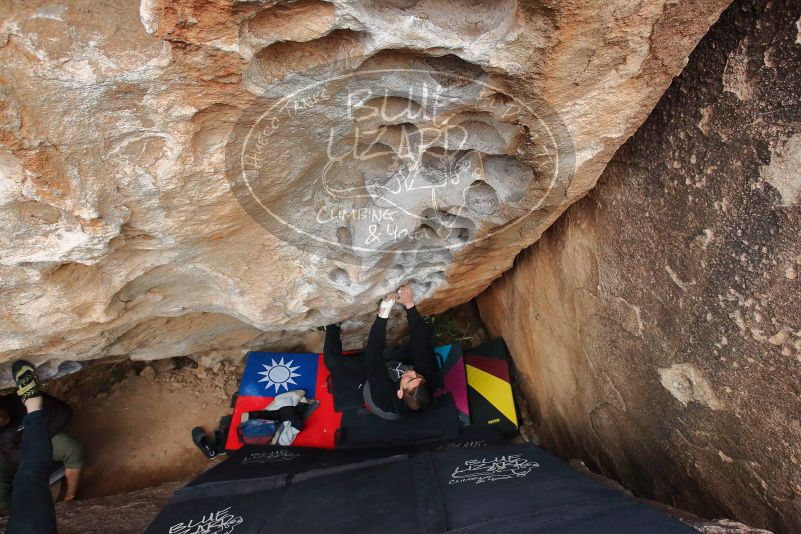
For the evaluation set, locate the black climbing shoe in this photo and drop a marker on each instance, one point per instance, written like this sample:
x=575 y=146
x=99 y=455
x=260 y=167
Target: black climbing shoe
x=26 y=379
x=221 y=433
x=200 y=439
x=326 y=327
x=219 y=441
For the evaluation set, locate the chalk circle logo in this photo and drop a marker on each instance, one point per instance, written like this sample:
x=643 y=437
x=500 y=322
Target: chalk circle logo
x=395 y=161
x=269 y=457
x=222 y=521
x=482 y=470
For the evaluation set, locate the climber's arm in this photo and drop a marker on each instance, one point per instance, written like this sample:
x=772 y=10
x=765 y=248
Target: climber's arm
x=381 y=387
x=421 y=340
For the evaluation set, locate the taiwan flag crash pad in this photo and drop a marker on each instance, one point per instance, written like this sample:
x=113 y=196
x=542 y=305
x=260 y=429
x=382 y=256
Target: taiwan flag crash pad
x=269 y=373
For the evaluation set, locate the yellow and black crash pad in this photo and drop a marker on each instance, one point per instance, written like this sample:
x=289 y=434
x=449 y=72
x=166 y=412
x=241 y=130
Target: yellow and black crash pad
x=489 y=387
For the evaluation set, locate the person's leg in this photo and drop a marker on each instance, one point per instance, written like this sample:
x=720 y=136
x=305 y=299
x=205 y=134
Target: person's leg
x=31 y=504
x=332 y=357
x=346 y=373
x=421 y=341
x=69 y=451
x=32 y=509
x=7 y=472
x=332 y=347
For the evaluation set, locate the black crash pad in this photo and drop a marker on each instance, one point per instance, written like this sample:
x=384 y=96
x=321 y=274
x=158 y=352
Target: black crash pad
x=460 y=488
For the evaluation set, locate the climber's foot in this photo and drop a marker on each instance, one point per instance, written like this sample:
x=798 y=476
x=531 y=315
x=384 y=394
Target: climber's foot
x=26 y=379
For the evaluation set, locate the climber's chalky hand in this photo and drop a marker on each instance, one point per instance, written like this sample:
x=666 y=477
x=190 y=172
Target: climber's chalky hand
x=386 y=306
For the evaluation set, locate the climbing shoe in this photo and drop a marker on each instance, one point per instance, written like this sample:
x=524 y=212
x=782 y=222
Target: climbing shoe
x=326 y=327
x=219 y=441
x=26 y=379
x=220 y=434
x=201 y=439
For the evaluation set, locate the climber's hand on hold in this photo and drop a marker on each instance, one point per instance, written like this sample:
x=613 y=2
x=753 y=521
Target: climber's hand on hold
x=386 y=306
x=404 y=296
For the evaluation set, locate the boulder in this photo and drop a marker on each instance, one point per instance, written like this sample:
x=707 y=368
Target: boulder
x=657 y=325
x=188 y=176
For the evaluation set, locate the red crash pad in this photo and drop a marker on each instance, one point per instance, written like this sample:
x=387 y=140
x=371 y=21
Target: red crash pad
x=321 y=426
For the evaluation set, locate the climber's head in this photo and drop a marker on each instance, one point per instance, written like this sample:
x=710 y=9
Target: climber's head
x=413 y=390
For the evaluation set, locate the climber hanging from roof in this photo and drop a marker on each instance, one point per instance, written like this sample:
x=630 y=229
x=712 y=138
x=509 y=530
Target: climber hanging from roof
x=393 y=382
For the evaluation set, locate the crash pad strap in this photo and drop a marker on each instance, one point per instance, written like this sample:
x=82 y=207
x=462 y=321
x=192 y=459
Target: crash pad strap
x=229 y=487
x=325 y=471
x=239 y=486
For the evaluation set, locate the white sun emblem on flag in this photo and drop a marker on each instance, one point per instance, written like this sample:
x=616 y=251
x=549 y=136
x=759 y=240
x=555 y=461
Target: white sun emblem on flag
x=279 y=374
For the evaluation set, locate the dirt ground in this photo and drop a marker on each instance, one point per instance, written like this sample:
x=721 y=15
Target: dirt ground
x=135 y=420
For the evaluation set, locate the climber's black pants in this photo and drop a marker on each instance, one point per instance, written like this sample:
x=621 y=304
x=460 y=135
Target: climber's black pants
x=32 y=510
x=347 y=372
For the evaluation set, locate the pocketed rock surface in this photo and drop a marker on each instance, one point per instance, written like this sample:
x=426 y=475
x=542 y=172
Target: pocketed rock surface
x=426 y=142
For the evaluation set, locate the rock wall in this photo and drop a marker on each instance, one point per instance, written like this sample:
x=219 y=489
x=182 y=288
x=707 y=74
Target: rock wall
x=657 y=324
x=204 y=176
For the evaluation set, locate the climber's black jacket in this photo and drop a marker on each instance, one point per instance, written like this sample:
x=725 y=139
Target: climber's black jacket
x=384 y=369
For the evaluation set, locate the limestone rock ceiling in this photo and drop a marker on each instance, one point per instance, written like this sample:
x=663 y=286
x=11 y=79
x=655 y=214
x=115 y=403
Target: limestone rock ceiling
x=191 y=176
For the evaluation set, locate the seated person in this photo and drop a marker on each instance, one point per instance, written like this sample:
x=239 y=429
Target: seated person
x=67 y=450
x=400 y=381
